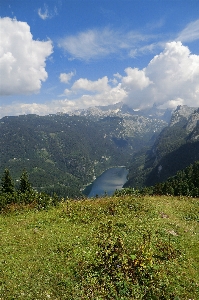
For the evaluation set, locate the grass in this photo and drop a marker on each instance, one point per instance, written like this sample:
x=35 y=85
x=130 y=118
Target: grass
x=109 y=248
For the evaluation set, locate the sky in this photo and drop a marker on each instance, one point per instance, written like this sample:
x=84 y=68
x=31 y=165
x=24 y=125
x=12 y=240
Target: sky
x=64 y=55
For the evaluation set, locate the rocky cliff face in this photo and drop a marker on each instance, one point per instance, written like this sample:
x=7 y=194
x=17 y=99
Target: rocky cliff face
x=182 y=112
x=123 y=110
x=134 y=122
x=176 y=147
x=193 y=122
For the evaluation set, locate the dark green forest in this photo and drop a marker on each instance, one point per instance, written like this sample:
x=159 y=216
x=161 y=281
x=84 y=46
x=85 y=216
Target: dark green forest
x=175 y=148
x=62 y=153
x=184 y=183
x=23 y=194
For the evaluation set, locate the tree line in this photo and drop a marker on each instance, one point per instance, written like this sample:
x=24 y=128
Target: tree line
x=184 y=183
x=24 y=194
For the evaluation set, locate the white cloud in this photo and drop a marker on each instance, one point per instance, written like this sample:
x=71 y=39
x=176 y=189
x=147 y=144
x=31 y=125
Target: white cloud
x=190 y=33
x=98 y=43
x=172 y=103
x=46 y=14
x=170 y=79
x=135 y=79
x=16 y=109
x=107 y=97
x=175 y=74
x=22 y=59
x=100 y=85
x=66 y=77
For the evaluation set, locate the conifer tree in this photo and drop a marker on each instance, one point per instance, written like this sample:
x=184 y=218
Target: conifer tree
x=7 y=185
x=24 y=185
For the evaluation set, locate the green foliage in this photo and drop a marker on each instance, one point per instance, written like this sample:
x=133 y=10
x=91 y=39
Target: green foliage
x=25 y=195
x=7 y=185
x=185 y=183
x=120 y=273
x=63 y=153
x=127 y=191
x=175 y=148
x=107 y=248
x=25 y=185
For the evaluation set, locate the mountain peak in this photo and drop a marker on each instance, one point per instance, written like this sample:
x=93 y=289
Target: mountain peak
x=182 y=112
x=121 y=109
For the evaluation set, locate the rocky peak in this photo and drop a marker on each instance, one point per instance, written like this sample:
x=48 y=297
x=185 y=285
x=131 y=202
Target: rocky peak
x=182 y=112
x=192 y=121
x=122 y=110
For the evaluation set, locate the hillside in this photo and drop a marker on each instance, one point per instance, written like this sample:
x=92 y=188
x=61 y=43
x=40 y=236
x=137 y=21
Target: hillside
x=63 y=153
x=109 y=248
x=174 y=149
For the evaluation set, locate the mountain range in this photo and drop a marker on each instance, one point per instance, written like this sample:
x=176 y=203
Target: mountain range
x=63 y=153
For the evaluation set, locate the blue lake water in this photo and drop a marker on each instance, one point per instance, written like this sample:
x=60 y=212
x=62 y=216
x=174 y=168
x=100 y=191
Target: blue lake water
x=108 y=182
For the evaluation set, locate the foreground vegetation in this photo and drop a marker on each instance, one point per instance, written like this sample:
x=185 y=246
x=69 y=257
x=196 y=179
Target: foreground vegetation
x=125 y=247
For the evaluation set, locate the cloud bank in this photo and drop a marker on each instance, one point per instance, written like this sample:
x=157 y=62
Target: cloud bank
x=22 y=59
x=171 y=78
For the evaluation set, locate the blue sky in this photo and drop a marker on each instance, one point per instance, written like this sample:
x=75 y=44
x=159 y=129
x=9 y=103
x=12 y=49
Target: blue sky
x=61 y=55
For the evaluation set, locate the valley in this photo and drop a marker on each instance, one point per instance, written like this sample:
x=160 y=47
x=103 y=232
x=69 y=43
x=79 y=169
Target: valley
x=130 y=244
x=63 y=153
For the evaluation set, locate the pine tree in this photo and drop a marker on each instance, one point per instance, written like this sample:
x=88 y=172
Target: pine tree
x=24 y=185
x=7 y=185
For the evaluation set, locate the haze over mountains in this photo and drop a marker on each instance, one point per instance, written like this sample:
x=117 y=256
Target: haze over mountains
x=64 y=152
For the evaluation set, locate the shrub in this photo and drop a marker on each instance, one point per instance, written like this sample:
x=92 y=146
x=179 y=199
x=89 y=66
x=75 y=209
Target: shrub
x=121 y=273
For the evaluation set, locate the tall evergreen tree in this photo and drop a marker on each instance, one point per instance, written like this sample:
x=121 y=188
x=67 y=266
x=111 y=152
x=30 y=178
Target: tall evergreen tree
x=7 y=185
x=24 y=185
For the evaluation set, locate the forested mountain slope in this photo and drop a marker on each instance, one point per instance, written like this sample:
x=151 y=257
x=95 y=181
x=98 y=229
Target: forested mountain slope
x=185 y=182
x=175 y=148
x=63 y=153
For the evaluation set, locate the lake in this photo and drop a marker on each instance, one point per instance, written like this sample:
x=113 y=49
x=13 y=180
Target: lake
x=108 y=182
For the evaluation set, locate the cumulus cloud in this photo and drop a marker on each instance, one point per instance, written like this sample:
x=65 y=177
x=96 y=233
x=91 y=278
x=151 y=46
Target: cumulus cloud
x=22 y=59
x=16 y=109
x=100 y=85
x=171 y=78
x=66 y=77
x=190 y=33
x=135 y=79
x=98 y=43
x=175 y=74
x=109 y=96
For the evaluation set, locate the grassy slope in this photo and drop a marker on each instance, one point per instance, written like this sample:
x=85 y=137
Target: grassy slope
x=45 y=254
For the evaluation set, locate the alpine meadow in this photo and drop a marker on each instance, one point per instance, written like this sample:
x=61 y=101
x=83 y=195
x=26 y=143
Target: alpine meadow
x=99 y=150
